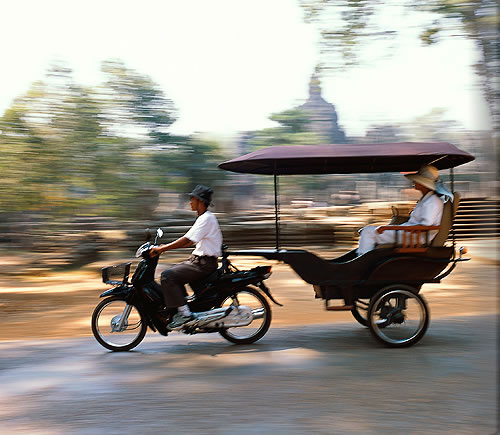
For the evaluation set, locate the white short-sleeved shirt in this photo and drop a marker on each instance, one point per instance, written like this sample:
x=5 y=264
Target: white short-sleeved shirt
x=207 y=235
x=428 y=211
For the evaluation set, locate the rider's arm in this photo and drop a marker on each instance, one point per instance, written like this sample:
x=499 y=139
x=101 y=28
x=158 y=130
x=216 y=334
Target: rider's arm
x=182 y=242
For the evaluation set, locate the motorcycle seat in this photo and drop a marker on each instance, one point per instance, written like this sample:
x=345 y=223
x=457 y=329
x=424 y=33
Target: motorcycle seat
x=205 y=282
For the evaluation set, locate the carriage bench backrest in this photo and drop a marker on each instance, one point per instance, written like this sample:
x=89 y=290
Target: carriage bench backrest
x=411 y=237
x=449 y=213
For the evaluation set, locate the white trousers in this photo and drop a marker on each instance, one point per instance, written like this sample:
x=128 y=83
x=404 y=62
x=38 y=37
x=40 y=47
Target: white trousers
x=369 y=238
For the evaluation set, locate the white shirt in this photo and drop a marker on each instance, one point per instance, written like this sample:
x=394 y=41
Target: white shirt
x=427 y=211
x=207 y=235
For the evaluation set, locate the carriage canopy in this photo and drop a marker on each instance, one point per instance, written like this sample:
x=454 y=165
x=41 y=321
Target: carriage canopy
x=348 y=158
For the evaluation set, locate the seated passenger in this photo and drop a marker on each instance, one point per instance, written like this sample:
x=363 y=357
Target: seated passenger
x=427 y=211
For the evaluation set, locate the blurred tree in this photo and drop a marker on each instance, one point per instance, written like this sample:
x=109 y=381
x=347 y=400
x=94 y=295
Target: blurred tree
x=344 y=25
x=292 y=130
x=479 y=21
x=135 y=104
x=433 y=126
x=192 y=161
x=56 y=157
x=347 y=25
x=68 y=150
x=24 y=151
x=474 y=19
x=383 y=133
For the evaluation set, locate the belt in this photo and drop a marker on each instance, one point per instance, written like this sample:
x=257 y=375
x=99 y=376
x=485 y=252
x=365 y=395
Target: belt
x=204 y=256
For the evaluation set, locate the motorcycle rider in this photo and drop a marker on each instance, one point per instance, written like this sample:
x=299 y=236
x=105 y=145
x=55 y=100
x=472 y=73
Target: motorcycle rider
x=207 y=236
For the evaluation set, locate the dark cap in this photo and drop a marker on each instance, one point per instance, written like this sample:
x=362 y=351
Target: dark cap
x=203 y=193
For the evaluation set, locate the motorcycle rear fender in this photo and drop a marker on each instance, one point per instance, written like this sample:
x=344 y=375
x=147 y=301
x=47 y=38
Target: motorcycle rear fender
x=116 y=291
x=267 y=292
x=253 y=276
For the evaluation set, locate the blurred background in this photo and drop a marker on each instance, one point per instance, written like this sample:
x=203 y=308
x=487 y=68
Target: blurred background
x=110 y=113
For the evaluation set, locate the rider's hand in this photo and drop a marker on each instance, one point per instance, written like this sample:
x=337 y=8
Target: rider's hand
x=154 y=251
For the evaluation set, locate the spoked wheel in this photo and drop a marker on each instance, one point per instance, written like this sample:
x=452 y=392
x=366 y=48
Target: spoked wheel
x=360 y=311
x=117 y=325
x=261 y=317
x=398 y=316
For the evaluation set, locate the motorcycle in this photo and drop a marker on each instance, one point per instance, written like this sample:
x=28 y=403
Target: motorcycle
x=230 y=301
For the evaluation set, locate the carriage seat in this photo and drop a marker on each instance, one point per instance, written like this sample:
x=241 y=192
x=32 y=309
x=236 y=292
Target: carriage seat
x=411 y=237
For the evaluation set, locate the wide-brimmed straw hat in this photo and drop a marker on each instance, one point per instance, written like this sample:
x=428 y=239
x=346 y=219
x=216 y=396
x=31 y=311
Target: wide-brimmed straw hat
x=426 y=176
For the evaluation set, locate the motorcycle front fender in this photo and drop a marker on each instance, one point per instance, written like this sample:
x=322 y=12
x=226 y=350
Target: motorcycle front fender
x=116 y=291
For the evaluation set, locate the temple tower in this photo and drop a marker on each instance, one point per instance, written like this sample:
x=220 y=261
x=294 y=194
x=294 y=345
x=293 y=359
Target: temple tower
x=323 y=116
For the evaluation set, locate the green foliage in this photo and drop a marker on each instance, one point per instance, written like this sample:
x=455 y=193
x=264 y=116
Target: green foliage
x=133 y=98
x=292 y=130
x=430 y=36
x=70 y=150
x=346 y=26
x=192 y=161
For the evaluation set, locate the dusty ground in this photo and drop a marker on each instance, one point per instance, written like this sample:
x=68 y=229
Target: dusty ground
x=307 y=375
x=60 y=305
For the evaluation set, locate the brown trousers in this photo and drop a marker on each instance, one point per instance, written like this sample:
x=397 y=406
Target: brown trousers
x=174 y=278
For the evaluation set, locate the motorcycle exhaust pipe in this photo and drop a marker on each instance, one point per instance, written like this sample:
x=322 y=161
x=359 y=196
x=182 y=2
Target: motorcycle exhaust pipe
x=228 y=317
x=206 y=317
x=258 y=313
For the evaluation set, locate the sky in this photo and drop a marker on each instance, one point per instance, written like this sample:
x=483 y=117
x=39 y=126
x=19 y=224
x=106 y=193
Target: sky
x=229 y=64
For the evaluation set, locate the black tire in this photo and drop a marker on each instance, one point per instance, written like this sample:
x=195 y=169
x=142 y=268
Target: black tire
x=230 y=334
x=398 y=316
x=360 y=311
x=129 y=342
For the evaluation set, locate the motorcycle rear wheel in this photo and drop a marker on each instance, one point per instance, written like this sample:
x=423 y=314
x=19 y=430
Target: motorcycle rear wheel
x=258 y=304
x=106 y=329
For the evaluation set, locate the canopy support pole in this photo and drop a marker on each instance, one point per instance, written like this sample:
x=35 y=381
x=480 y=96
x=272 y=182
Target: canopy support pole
x=276 y=211
x=452 y=185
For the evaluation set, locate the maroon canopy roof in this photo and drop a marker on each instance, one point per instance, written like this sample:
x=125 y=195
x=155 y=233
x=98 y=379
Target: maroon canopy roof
x=348 y=158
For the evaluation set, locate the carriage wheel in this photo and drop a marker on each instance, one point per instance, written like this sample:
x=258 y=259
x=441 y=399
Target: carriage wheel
x=398 y=316
x=360 y=311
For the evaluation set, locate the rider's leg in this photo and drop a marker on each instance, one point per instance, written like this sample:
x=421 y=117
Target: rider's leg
x=173 y=280
x=172 y=285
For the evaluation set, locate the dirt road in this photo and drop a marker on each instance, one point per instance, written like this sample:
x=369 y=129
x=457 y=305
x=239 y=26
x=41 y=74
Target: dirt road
x=60 y=305
x=326 y=379
x=315 y=371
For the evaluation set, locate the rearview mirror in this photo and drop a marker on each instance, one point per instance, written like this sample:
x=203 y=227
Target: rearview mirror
x=159 y=232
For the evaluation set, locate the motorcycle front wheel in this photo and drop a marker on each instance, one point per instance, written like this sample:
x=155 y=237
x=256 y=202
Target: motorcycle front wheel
x=117 y=325
x=262 y=316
